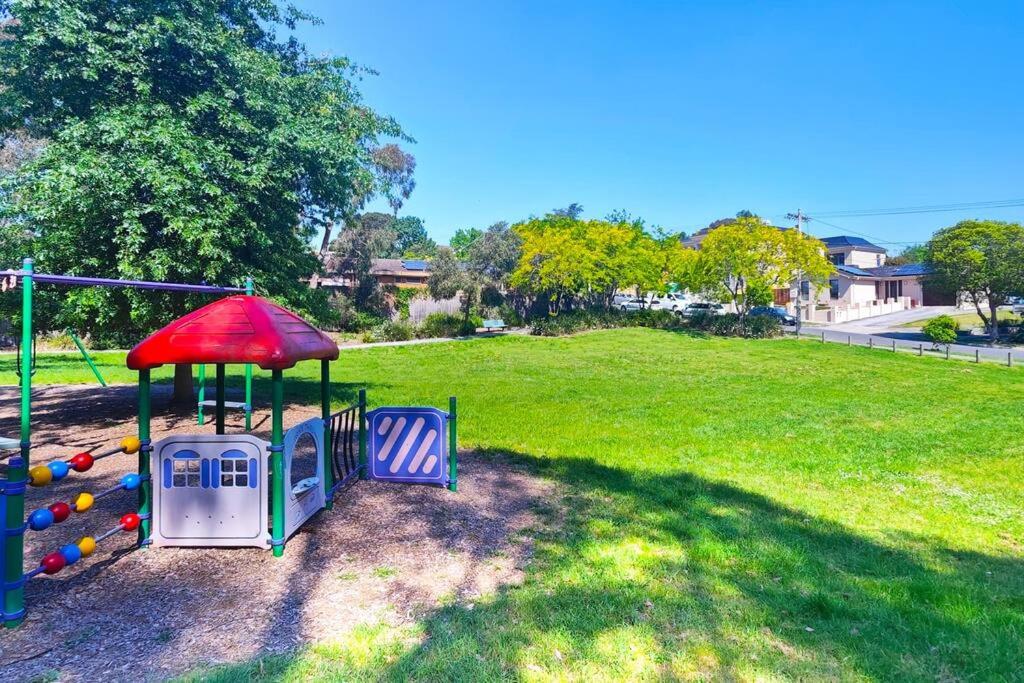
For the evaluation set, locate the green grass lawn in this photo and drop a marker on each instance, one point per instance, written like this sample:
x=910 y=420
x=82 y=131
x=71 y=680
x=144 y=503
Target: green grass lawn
x=733 y=509
x=967 y=320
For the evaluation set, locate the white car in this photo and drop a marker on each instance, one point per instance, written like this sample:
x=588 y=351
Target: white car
x=674 y=302
x=636 y=304
x=702 y=309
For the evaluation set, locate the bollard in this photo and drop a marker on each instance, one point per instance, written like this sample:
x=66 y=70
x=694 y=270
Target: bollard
x=977 y=356
x=894 y=346
x=1009 y=359
x=822 y=337
x=947 y=351
x=871 y=342
x=849 y=340
x=920 y=349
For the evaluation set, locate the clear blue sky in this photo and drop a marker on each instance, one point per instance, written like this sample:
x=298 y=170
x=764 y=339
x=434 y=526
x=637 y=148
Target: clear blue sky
x=686 y=112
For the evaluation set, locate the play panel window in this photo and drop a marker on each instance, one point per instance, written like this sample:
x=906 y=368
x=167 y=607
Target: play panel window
x=186 y=470
x=237 y=470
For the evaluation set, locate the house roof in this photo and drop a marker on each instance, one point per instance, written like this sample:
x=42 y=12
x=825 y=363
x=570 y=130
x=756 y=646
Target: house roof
x=237 y=329
x=906 y=270
x=852 y=270
x=859 y=243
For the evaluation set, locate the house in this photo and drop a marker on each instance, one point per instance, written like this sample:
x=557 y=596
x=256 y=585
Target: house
x=387 y=271
x=863 y=285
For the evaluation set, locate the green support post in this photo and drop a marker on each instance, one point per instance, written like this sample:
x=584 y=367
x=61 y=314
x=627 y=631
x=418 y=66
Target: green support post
x=202 y=392
x=325 y=411
x=248 y=372
x=277 y=481
x=17 y=472
x=88 y=358
x=146 y=487
x=220 y=399
x=363 y=469
x=453 y=450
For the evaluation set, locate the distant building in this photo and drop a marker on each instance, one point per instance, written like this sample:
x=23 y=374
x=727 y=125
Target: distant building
x=387 y=271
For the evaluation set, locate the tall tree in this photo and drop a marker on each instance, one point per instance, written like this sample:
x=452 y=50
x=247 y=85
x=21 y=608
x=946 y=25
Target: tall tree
x=365 y=238
x=913 y=253
x=412 y=239
x=741 y=261
x=448 y=278
x=983 y=260
x=185 y=142
x=495 y=254
x=573 y=211
x=462 y=240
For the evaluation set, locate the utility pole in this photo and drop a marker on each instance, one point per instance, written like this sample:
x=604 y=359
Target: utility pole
x=799 y=217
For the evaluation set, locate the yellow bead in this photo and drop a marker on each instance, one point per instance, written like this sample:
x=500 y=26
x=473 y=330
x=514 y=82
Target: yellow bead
x=87 y=544
x=130 y=444
x=83 y=502
x=40 y=475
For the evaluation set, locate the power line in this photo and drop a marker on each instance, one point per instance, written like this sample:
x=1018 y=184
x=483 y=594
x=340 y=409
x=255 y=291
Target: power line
x=859 y=234
x=933 y=208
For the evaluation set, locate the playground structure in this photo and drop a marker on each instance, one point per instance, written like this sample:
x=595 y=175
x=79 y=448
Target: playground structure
x=219 y=489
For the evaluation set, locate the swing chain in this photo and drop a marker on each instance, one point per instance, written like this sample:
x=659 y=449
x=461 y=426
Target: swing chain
x=17 y=362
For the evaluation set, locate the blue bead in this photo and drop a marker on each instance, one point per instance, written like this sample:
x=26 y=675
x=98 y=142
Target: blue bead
x=71 y=552
x=40 y=519
x=130 y=481
x=59 y=469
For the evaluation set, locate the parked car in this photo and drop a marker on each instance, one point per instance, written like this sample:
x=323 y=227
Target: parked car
x=701 y=309
x=675 y=302
x=777 y=312
x=636 y=304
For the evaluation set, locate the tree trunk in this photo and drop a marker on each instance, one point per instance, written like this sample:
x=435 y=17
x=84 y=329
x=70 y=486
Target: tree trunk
x=993 y=308
x=183 y=392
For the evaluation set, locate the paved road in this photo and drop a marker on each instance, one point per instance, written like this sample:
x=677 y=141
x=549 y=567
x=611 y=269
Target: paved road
x=910 y=341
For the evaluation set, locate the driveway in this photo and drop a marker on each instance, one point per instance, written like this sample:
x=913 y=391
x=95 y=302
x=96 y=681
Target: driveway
x=893 y=322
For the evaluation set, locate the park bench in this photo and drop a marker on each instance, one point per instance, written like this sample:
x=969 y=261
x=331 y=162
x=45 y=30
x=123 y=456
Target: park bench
x=494 y=325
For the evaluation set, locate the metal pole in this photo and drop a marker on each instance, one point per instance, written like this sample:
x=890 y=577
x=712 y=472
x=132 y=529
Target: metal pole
x=202 y=392
x=363 y=470
x=977 y=356
x=453 y=449
x=849 y=340
x=220 y=399
x=920 y=349
x=325 y=412
x=88 y=359
x=277 y=481
x=947 y=351
x=146 y=487
x=248 y=372
x=17 y=473
x=822 y=337
x=871 y=343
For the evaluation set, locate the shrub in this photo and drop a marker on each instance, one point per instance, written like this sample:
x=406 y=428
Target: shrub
x=510 y=315
x=389 y=331
x=941 y=330
x=579 y=321
x=728 y=325
x=447 y=325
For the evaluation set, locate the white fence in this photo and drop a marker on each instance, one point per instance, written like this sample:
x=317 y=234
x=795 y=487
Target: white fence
x=858 y=311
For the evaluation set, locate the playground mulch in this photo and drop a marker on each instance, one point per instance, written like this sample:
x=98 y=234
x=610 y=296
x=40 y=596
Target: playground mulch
x=385 y=554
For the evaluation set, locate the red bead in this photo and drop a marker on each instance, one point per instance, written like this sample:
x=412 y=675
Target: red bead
x=61 y=511
x=81 y=462
x=53 y=563
x=130 y=522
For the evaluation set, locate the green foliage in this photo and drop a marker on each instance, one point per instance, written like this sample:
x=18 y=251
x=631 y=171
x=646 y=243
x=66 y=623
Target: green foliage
x=913 y=253
x=495 y=253
x=984 y=260
x=402 y=296
x=185 y=143
x=563 y=257
x=734 y=325
x=582 y=320
x=941 y=329
x=462 y=240
x=411 y=239
x=742 y=261
x=351 y=319
x=446 y=325
x=389 y=331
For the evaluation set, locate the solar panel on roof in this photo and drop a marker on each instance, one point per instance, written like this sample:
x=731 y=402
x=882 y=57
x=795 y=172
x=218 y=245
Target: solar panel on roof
x=415 y=265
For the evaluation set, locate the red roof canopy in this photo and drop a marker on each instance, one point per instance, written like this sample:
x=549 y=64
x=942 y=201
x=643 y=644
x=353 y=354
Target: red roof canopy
x=237 y=329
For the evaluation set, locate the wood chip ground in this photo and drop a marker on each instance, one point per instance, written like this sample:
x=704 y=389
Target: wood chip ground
x=385 y=553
